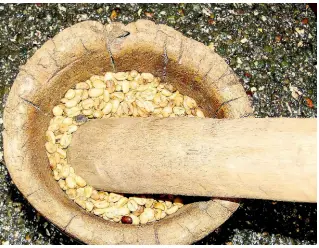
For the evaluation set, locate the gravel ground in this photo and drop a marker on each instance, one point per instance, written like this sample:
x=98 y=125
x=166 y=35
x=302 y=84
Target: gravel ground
x=272 y=48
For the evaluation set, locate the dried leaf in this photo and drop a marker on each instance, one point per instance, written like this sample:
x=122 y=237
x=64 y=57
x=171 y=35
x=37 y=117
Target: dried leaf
x=305 y=21
x=113 y=15
x=309 y=103
x=149 y=14
x=211 y=21
x=278 y=38
x=181 y=12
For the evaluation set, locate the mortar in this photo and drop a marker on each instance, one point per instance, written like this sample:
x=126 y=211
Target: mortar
x=90 y=48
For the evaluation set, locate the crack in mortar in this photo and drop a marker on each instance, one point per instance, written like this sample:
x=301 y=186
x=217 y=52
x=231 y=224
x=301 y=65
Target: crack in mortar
x=165 y=60
x=228 y=72
x=224 y=103
x=52 y=76
x=165 y=56
x=108 y=48
x=206 y=212
x=181 y=50
x=137 y=238
x=262 y=190
x=156 y=236
x=52 y=55
x=240 y=179
x=42 y=65
x=200 y=62
x=54 y=60
x=202 y=186
x=211 y=66
x=127 y=33
x=85 y=48
x=76 y=36
x=66 y=226
x=185 y=228
x=28 y=195
x=227 y=209
x=109 y=42
x=247 y=115
x=122 y=241
x=33 y=105
x=23 y=69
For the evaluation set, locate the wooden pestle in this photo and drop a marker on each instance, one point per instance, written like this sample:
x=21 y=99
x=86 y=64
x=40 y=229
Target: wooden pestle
x=271 y=158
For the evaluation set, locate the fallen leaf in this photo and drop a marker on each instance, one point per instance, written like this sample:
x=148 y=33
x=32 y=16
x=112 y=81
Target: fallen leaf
x=181 y=12
x=309 y=103
x=249 y=93
x=149 y=14
x=247 y=74
x=305 y=21
x=278 y=38
x=113 y=15
x=211 y=21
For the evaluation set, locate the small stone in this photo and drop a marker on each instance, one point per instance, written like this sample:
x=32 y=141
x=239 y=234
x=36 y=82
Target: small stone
x=243 y=40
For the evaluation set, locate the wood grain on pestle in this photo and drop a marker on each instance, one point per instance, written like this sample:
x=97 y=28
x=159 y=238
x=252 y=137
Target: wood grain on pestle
x=271 y=158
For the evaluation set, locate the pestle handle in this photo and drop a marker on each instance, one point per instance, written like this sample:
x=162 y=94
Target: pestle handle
x=271 y=158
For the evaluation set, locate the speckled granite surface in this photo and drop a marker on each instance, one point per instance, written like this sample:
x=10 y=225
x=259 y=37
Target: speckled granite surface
x=272 y=47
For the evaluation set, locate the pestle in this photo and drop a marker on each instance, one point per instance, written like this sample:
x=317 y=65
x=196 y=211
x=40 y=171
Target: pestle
x=270 y=158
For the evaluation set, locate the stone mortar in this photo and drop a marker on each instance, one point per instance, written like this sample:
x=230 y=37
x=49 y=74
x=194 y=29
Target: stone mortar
x=90 y=48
